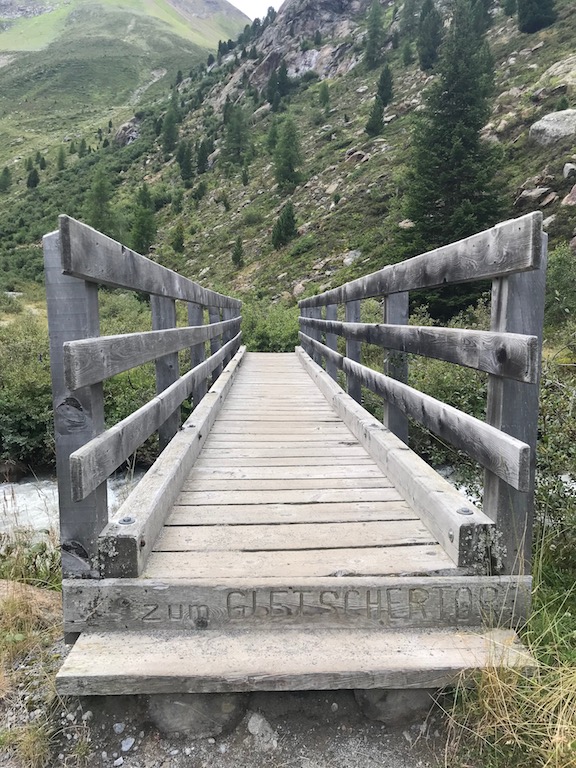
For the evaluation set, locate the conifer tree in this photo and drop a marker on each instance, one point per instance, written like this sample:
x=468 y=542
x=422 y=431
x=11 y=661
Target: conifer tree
x=374 y=35
x=5 y=179
x=408 y=19
x=177 y=240
x=272 y=136
x=535 y=14
x=169 y=130
x=407 y=57
x=509 y=7
x=98 y=209
x=287 y=156
x=238 y=253
x=82 y=149
x=429 y=35
x=324 y=94
x=284 y=229
x=452 y=192
x=283 y=81
x=385 y=87
x=61 y=160
x=33 y=179
x=375 y=123
x=202 y=157
x=143 y=229
x=237 y=137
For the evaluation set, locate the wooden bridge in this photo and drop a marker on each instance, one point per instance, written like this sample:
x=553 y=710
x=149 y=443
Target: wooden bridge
x=285 y=539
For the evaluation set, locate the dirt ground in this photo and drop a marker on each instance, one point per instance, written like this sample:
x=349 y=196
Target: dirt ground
x=323 y=729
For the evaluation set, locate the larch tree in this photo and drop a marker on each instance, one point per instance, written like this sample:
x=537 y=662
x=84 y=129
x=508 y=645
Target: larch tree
x=429 y=35
x=374 y=35
x=287 y=155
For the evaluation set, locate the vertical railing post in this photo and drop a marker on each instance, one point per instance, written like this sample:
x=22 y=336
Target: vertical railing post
x=512 y=406
x=396 y=312
x=332 y=340
x=315 y=312
x=216 y=342
x=78 y=416
x=353 y=351
x=167 y=367
x=198 y=351
x=227 y=314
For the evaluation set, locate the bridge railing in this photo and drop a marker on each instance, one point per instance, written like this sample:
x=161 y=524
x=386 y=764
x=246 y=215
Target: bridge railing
x=513 y=256
x=77 y=260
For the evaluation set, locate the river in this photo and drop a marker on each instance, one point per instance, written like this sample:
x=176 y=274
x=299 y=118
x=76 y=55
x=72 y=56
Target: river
x=33 y=501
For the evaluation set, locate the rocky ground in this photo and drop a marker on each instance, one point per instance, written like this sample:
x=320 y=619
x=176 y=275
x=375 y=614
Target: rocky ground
x=278 y=730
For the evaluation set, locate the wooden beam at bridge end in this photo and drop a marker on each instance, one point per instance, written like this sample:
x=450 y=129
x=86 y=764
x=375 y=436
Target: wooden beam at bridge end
x=124 y=548
x=512 y=406
x=79 y=415
x=464 y=537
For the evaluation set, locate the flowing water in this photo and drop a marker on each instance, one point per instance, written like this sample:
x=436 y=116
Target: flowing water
x=33 y=501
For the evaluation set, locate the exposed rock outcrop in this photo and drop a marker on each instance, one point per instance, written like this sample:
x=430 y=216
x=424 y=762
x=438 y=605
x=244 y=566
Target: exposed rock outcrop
x=554 y=127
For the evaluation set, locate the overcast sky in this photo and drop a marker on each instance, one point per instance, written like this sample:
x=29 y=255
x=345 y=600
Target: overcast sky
x=253 y=8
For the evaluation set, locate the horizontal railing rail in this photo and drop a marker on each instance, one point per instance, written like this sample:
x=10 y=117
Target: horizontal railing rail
x=511 y=254
x=78 y=259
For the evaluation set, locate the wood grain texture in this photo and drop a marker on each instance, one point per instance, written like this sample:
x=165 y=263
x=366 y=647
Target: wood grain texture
x=510 y=247
x=167 y=366
x=353 y=351
x=381 y=603
x=503 y=455
x=291 y=496
x=124 y=548
x=289 y=537
x=281 y=659
x=92 y=256
x=97 y=459
x=89 y=361
x=512 y=355
x=396 y=311
x=197 y=350
x=277 y=514
x=416 y=559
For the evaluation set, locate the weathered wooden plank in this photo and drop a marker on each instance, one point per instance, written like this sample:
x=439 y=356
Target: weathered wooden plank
x=280 y=429
x=293 y=448
x=271 y=514
x=509 y=247
x=73 y=313
x=206 y=484
x=92 y=256
x=293 y=416
x=315 y=436
x=125 y=546
x=350 y=492
x=416 y=559
x=517 y=304
x=214 y=317
x=281 y=660
x=167 y=366
x=203 y=471
x=89 y=361
x=95 y=461
x=256 y=538
x=505 y=456
x=513 y=355
x=464 y=532
x=361 y=602
x=278 y=461
x=310 y=496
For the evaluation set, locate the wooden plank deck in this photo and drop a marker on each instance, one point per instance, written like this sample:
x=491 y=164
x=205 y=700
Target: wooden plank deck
x=283 y=489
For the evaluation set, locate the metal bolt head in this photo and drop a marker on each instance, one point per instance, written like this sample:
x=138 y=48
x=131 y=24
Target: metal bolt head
x=451 y=535
x=126 y=520
x=465 y=511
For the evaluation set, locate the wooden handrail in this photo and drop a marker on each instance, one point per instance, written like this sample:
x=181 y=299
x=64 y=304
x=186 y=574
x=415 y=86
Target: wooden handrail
x=77 y=260
x=513 y=254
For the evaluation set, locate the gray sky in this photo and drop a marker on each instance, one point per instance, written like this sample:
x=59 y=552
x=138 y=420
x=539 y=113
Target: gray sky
x=253 y=8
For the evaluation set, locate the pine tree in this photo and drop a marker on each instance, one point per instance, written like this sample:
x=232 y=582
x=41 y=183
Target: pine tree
x=317 y=39
x=287 y=155
x=202 y=157
x=177 y=240
x=184 y=159
x=374 y=35
x=97 y=208
x=284 y=229
x=272 y=136
x=42 y=163
x=143 y=228
x=407 y=57
x=408 y=20
x=61 y=160
x=72 y=149
x=429 y=35
x=324 y=94
x=283 y=81
x=5 y=179
x=82 y=149
x=452 y=191
x=237 y=137
x=375 y=123
x=535 y=14
x=385 y=87
x=169 y=131
x=238 y=253
x=33 y=179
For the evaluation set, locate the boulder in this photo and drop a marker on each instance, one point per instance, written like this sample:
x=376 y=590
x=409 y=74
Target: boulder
x=396 y=708
x=197 y=715
x=530 y=197
x=570 y=198
x=554 y=127
x=128 y=132
x=569 y=170
x=351 y=257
